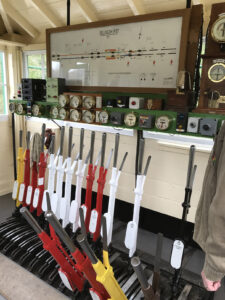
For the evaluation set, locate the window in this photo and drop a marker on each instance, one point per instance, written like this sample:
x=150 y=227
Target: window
x=3 y=87
x=35 y=64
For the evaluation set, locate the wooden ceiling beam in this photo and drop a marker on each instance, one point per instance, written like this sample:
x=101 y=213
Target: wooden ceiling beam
x=14 y=39
x=19 y=19
x=5 y=19
x=137 y=7
x=87 y=11
x=46 y=12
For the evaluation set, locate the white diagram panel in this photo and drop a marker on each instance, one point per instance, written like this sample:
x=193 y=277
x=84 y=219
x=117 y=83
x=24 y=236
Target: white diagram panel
x=140 y=54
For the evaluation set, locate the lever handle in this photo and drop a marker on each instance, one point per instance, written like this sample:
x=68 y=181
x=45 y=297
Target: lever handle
x=103 y=149
x=123 y=161
x=70 y=141
x=62 y=140
x=117 y=140
x=21 y=139
x=92 y=146
x=190 y=164
x=49 y=215
x=43 y=137
x=147 y=165
x=81 y=143
x=28 y=139
x=52 y=150
x=81 y=239
x=31 y=220
x=140 y=155
x=136 y=264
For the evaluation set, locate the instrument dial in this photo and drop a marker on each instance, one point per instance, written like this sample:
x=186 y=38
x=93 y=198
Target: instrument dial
x=216 y=72
x=75 y=115
x=35 y=110
x=54 y=112
x=103 y=117
x=218 y=30
x=19 y=109
x=12 y=107
x=63 y=100
x=130 y=119
x=62 y=114
x=162 y=123
x=88 y=117
x=89 y=102
x=75 y=101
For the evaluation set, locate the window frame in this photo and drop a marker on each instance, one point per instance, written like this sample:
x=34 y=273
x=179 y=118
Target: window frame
x=25 y=61
x=4 y=115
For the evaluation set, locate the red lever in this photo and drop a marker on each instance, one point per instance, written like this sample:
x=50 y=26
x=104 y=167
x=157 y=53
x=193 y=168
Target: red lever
x=101 y=185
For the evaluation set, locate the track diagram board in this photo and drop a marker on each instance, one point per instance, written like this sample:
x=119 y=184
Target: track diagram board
x=141 y=54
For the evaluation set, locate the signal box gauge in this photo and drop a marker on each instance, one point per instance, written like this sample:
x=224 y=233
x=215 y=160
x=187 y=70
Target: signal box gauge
x=116 y=117
x=35 y=110
x=63 y=100
x=162 y=123
x=75 y=115
x=63 y=114
x=216 y=72
x=54 y=112
x=19 y=109
x=146 y=121
x=89 y=102
x=103 y=117
x=88 y=116
x=12 y=107
x=122 y=102
x=130 y=119
x=75 y=101
x=218 y=30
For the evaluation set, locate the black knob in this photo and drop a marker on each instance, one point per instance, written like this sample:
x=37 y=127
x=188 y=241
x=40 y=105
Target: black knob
x=206 y=127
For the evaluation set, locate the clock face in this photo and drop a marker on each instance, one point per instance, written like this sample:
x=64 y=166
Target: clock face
x=75 y=101
x=88 y=117
x=162 y=123
x=103 y=117
x=75 y=115
x=130 y=119
x=88 y=102
x=216 y=72
x=54 y=112
x=35 y=110
x=63 y=100
x=62 y=114
x=19 y=109
x=218 y=30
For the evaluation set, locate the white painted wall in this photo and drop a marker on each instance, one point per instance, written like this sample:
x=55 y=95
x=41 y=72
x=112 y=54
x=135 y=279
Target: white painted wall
x=166 y=179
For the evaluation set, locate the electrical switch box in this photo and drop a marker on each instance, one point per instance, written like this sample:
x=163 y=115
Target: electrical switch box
x=136 y=102
x=193 y=124
x=208 y=126
x=146 y=121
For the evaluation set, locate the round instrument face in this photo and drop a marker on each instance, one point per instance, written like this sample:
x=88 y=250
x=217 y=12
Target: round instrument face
x=12 y=107
x=19 y=109
x=130 y=119
x=162 y=123
x=62 y=114
x=88 y=117
x=63 y=100
x=75 y=101
x=213 y=95
x=54 y=112
x=216 y=72
x=88 y=102
x=103 y=117
x=35 y=110
x=75 y=115
x=218 y=30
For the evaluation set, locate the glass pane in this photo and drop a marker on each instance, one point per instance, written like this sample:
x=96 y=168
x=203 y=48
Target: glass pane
x=34 y=60
x=34 y=73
